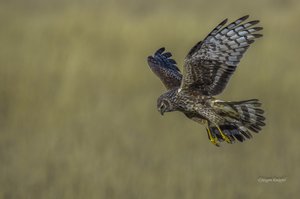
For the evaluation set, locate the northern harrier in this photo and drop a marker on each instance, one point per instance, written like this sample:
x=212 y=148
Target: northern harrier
x=207 y=69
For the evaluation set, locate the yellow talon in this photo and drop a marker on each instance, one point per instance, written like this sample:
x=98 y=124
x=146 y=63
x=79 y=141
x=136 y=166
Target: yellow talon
x=225 y=137
x=211 y=138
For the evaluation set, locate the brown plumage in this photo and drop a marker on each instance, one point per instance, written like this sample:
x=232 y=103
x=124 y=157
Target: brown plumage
x=206 y=72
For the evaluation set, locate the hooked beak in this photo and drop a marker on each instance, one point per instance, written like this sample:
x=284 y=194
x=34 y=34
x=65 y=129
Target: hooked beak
x=161 y=110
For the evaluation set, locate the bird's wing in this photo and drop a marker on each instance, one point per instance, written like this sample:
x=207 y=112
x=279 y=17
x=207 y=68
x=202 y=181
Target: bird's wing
x=210 y=63
x=165 y=68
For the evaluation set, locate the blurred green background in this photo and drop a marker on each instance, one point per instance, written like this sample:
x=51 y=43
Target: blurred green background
x=78 y=114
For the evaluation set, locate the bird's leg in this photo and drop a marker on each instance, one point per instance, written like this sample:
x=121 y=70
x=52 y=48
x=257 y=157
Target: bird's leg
x=225 y=137
x=211 y=138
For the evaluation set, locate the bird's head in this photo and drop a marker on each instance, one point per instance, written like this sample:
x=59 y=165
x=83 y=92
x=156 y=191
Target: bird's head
x=164 y=105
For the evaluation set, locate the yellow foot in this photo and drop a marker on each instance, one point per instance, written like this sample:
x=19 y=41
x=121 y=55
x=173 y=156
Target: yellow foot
x=211 y=138
x=225 y=137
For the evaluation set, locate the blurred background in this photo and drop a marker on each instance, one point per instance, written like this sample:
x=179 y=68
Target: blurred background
x=78 y=114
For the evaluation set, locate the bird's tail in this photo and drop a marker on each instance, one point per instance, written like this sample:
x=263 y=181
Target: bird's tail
x=241 y=118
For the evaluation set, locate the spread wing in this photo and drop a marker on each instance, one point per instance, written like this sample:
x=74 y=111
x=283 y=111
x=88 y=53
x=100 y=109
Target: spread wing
x=211 y=62
x=165 y=68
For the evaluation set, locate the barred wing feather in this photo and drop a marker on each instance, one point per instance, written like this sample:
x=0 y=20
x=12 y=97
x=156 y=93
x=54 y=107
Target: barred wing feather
x=211 y=62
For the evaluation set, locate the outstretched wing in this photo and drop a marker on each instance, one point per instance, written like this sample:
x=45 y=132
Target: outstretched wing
x=165 y=68
x=211 y=62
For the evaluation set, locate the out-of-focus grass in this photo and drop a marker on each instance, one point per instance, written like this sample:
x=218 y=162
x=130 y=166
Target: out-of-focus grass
x=77 y=102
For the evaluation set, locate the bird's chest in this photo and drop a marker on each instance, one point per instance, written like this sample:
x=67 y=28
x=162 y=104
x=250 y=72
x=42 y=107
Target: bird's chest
x=193 y=103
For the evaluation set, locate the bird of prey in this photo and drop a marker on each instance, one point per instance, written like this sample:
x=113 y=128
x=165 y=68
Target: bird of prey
x=207 y=68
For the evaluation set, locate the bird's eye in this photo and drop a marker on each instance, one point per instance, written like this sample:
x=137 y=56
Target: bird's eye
x=162 y=106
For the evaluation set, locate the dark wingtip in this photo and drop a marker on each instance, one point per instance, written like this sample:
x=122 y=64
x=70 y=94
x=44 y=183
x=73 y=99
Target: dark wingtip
x=250 y=41
x=254 y=22
x=244 y=17
x=258 y=28
x=167 y=54
x=223 y=22
x=160 y=51
x=257 y=35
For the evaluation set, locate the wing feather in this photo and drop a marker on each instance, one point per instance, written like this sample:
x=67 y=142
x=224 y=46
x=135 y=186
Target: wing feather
x=165 y=68
x=211 y=62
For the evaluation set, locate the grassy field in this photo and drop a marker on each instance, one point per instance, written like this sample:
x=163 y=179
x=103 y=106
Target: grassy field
x=78 y=114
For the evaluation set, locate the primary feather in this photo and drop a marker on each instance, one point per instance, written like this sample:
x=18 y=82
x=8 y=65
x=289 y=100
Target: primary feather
x=165 y=68
x=211 y=62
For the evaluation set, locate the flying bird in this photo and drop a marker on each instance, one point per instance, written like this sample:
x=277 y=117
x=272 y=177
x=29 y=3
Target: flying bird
x=207 y=69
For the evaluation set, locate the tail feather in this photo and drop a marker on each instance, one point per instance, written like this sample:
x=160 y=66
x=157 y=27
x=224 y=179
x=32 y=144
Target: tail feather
x=250 y=114
x=242 y=118
x=232 y=131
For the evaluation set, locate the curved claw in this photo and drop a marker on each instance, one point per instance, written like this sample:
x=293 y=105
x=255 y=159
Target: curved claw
x=211 y=138
x=225 y=137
